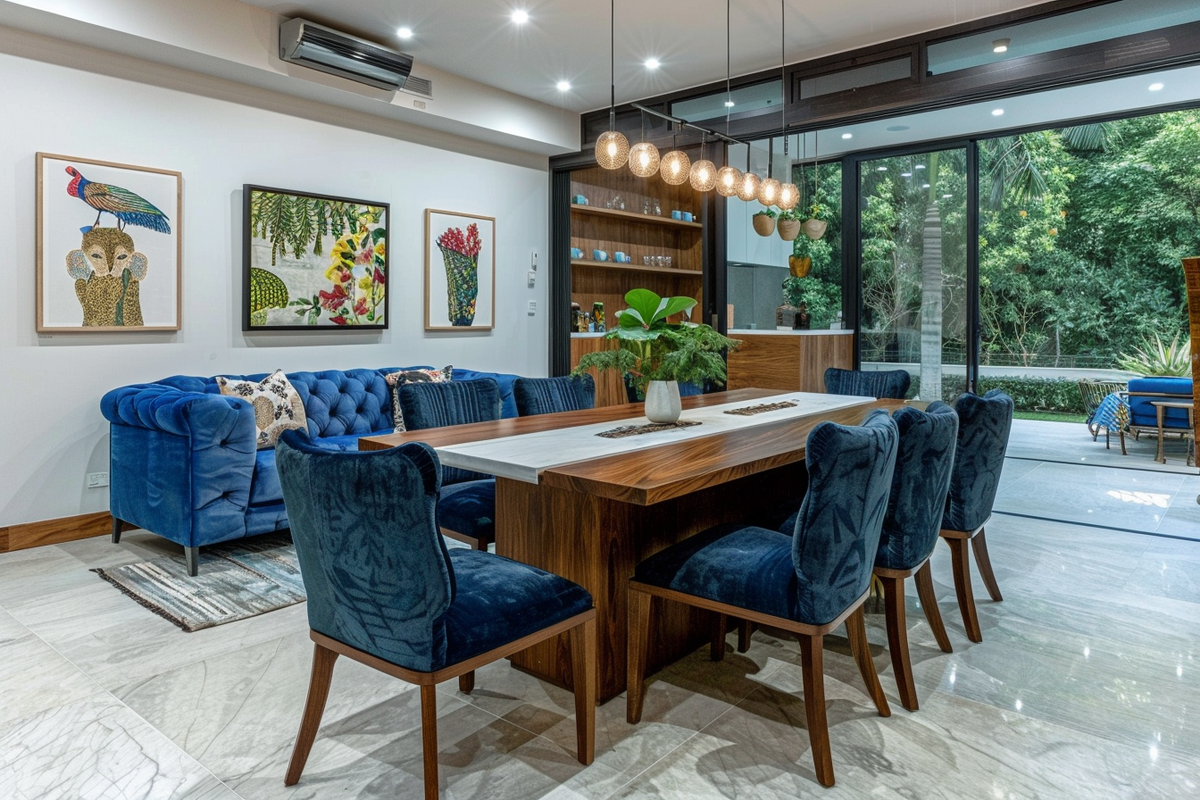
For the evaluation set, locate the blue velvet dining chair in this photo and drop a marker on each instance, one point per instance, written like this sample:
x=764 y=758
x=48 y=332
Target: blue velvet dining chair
x=551 y=395
x=807 y=584
x=467 y=503
x=924 y=460
x=887 y=384
x=984 y=424
x=384 y=590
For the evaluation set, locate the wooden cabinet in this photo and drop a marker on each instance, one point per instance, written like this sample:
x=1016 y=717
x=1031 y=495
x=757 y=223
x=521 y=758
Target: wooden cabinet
x=787 y=360
x=640 y=235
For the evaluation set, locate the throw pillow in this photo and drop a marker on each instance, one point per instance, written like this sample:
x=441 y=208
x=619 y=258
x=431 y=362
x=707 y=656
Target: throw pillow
x=277 y=405
x=397 y=379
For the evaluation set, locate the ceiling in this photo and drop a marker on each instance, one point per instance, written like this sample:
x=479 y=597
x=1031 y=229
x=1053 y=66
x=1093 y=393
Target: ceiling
x=568 y=39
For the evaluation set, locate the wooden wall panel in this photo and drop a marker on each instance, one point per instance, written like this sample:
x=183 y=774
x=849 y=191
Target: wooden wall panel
x=790 y=362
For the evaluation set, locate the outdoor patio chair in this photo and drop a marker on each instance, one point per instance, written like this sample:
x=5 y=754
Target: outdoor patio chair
x=1093 y=394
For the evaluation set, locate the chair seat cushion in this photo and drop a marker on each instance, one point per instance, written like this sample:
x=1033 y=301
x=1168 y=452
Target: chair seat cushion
x=469 y=508
x=744 y=566
x=498 y=600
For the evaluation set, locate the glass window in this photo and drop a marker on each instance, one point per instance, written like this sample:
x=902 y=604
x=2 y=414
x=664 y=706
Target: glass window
x=745 y=98
x=871 y=74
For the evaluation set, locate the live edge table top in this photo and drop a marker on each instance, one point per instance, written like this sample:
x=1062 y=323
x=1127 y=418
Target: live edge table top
x=646 y=475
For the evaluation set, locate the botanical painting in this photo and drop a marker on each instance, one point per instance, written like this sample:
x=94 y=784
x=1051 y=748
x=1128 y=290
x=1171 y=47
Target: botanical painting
x=460 y=271
x=313 y=261
x=108 y=246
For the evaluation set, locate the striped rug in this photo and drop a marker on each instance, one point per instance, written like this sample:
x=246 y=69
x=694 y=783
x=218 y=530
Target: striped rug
x=237 y=580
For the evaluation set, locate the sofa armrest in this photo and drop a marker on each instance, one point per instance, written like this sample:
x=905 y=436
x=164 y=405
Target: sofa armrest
x=158 y=407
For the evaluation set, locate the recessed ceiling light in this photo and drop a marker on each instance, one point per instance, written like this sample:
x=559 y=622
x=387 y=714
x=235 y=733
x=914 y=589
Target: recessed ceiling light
x=997 y=112
x=919 y=166
x=895 y=128
x=947 y=196
x=405 y=33
x=1001 y=45
x=881 y=169
x=729 y=104
x=1156 y=87
x=520 y=16
x=847 y=135
x=905 y=174
x=924 y=185
x=653 y=63
x=563 y=86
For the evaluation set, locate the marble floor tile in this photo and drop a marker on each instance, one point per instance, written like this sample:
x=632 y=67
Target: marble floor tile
x=1069 y=443
x=34 y=677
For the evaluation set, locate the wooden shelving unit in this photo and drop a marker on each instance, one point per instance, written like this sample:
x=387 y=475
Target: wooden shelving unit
x=596 y=227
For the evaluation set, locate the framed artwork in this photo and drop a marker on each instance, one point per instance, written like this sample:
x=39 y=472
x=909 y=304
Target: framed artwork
x=108 y=246
x=460 y=271
x=313 y=261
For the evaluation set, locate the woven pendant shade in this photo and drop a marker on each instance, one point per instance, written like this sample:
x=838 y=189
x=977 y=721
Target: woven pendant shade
x=768 y=192
x=675 y=168
x=612 y=150
x=748 y=187
x=703 y=175
x=728 y=180
x=789 y=196
x=643 y=159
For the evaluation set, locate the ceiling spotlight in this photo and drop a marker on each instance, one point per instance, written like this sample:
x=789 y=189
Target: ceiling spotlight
x=520 y=16
x=405 y=33
x=1156 y=87
x=997 y=112
x=919 y=166
x=947 y=196
x=563 y=86
x=924 y=185
x=730 y=104
x=905 y=174
x=1001 y=45
x=847 y=135
x=653 y=63
x=881 y=169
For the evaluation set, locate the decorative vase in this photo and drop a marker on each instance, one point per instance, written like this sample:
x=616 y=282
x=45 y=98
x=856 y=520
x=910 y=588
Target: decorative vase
x=815 y=228
x=785 y=316
x=763 y=224
x=789 y=229
x=799 y=266
x=662 y=401
x=462 y=286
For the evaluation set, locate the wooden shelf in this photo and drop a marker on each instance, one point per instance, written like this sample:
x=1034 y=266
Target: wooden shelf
x=636 y=268
x=651 y=219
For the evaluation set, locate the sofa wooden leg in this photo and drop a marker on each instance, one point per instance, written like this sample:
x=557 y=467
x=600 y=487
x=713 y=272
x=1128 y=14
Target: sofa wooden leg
x=192 y=556
x=116 y=530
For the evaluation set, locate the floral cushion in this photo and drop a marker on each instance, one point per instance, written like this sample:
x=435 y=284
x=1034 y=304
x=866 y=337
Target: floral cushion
x=397 y=379
x=277 y=405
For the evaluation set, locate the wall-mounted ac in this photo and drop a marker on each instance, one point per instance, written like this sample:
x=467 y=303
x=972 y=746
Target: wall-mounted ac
x=318 y=47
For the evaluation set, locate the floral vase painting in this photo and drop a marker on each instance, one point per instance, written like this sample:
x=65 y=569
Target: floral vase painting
x=459 y=271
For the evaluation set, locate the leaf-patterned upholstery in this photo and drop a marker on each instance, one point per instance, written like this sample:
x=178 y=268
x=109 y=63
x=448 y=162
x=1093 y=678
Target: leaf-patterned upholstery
x=889 y=384
x=984 y=424
x=378 y=575
x=551 y=395
x=815 y=575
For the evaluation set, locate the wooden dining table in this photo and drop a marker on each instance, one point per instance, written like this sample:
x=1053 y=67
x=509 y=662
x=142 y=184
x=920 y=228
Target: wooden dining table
x=592 y=518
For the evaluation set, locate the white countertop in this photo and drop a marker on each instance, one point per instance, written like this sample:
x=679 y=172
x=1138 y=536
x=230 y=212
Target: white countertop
x=768 y=332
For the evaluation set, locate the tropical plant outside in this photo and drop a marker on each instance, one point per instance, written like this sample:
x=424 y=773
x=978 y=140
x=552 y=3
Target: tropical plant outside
x=1158 y=358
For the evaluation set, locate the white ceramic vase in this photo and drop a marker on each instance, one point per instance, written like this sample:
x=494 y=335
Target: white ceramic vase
x=662 y=401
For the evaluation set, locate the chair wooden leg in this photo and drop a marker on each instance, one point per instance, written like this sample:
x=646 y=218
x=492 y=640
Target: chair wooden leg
x=897 y=632
x=812 y=660
x=1121 y=436
x=314 y=707
x=962 y=587
x=466 y=682
x=716 y=647
x=745 y=629
x=924 y=578
x=429 y=739
x=583 y=672
x=979 y=545
x=639 y=643
x=856 y=632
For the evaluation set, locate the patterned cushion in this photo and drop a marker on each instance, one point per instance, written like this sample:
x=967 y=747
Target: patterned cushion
x=277 y=405
x=406 y=376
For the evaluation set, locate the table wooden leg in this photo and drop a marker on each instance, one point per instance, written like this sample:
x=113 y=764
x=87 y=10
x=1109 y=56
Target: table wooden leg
x=1160 y=458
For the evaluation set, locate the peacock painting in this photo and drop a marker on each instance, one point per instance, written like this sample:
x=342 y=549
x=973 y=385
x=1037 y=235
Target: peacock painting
x=128 y=207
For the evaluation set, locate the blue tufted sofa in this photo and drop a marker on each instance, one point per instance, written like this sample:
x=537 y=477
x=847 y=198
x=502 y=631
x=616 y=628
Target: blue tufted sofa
x=184 y=464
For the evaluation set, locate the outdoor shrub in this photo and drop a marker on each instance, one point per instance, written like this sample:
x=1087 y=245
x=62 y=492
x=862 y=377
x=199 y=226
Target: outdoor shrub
x=1028 y=394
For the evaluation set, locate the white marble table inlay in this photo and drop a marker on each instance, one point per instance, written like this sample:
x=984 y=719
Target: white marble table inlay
x=524 y=457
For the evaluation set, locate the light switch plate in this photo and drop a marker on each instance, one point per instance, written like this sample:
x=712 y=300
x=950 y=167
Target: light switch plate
x=533 y=307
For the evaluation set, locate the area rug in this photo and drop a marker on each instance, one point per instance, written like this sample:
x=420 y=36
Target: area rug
x=236 y=581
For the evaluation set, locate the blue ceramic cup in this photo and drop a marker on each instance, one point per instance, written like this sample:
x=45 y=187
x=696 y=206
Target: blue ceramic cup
x=687 y=216
x=576 y=252
x=620 y=257
x=677 y=214
x=599 y=255
x=579 y=200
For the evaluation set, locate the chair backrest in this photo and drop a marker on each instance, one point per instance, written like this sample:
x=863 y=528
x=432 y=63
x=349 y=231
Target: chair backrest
x=436 y=405
x=837 y=531
x=924 y=460
x=891 y=384
x=550 y=395
x=984 y=424
x=375 y=568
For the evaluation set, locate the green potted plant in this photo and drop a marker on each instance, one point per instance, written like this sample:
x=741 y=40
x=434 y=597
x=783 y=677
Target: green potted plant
x=658 y=354
x=789 y=224
x=764 y=222
x=818 y=221
x=1156 y=358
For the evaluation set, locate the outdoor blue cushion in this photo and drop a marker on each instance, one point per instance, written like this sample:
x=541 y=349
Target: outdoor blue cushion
x=469 y=508
x=892 y=384
x=1141 y=410
x=983 y=427
x=551 y=395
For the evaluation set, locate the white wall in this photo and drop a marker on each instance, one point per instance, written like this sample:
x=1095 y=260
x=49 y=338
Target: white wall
x=53 y=430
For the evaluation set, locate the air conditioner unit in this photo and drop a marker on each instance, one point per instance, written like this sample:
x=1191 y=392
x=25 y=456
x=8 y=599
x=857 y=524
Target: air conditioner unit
x=318 y=47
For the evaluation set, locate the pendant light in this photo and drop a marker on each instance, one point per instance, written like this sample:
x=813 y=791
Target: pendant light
x=748 y=186
x=612 y=148
x=676 y=167
x=704 y=172
x=789 y=193
x=728 y=177
x=768 y=190
x=643 y=157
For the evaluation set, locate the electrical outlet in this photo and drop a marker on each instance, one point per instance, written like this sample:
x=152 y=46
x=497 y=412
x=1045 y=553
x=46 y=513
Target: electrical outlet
x=532 y=278
x=97 y=479
x=532 y=307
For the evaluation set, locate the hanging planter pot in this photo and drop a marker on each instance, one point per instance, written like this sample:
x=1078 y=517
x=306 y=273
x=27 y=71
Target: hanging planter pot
x=764 y=224
x=815 y=228
x=788 y=229
x=799 y=266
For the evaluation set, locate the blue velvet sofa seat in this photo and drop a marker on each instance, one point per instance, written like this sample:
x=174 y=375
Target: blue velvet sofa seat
x=184 y=461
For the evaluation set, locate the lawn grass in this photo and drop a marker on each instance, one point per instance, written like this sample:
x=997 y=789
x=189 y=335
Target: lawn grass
x=1049 y=416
